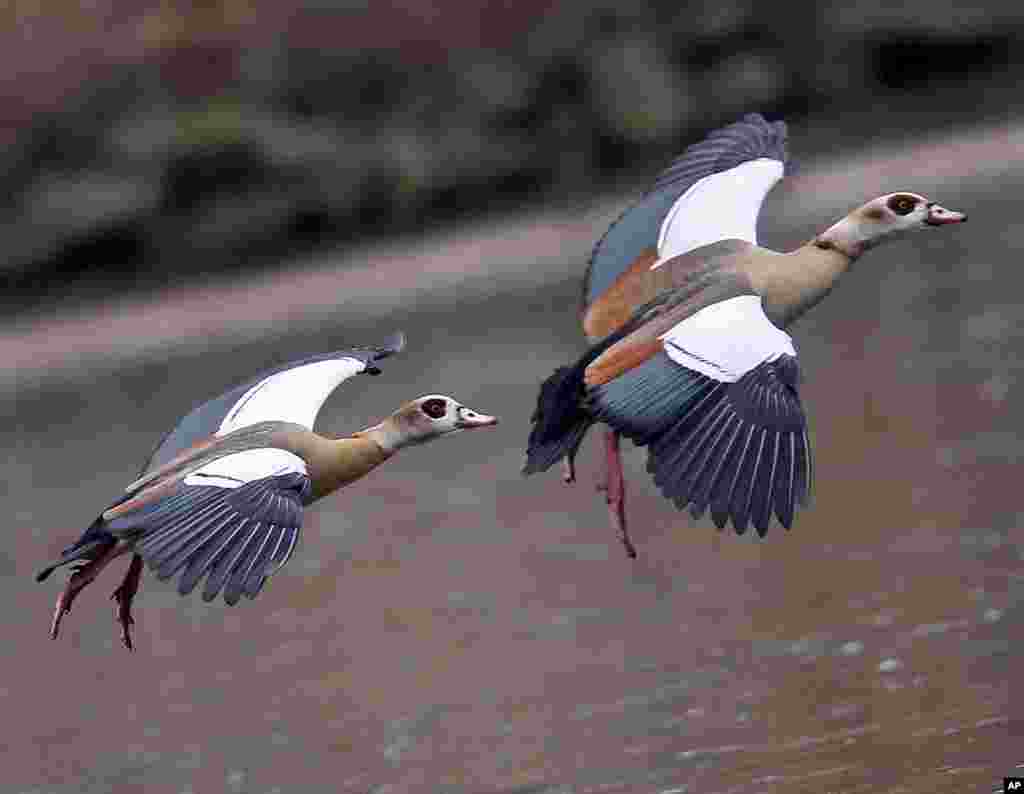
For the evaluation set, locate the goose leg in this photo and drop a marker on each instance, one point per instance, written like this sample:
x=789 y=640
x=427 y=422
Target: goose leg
x=569 y=462
x=123 y=595
x=614 y=488
x=569 y=468
x=82 y=576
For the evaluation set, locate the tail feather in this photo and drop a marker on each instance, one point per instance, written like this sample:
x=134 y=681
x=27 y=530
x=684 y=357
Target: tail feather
x=560 y=421
x=393 y=344
x=561 y=418
x=93 y=539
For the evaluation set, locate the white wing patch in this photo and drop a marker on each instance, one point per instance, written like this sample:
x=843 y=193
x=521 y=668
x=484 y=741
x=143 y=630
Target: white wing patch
x=237 y=469
x=294 y=395
x=727 y=339
x=723 y=206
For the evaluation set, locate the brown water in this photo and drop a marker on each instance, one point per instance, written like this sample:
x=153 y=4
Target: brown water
x=448 y=626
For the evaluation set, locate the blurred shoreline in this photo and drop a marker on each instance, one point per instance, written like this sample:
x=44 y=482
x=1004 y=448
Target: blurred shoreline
x=525 y=251
x=193 y=192
x=178 y=143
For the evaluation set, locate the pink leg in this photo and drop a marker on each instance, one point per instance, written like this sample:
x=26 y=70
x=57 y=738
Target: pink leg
x=614 y=488
x=568 y=470
x=123 y=595
x=83 y=575
x=569 y=464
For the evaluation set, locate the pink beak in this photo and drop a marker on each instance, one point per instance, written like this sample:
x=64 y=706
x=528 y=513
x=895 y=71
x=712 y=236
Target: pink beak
x=469 y=419
x=939 y=216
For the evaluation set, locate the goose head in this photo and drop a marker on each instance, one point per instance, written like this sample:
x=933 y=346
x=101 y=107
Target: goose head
x=885 y=218
x=426 y=418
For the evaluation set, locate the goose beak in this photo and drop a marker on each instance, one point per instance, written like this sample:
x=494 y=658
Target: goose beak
x=468 y=419
x=940 y=216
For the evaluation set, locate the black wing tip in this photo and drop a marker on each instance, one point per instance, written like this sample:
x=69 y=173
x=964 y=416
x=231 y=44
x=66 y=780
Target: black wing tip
x=92 y=538
x=751 y=137
x=768 y=139
x=742 y=486
x=393 y=344
x=739 y=524
x=778 y=126
x=541 y=456
x=777 y=131
x=531 y=466
x=559 y=420
x=540 y=459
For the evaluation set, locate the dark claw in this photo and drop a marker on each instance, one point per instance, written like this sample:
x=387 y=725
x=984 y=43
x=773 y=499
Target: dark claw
x=59 y=612
x=618 y=522
x=568 y=470
x=124 y=617
x=614 y=489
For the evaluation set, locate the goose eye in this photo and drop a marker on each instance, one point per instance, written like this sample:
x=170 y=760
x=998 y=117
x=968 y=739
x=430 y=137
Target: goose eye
x=902 y=205
x=435 y=408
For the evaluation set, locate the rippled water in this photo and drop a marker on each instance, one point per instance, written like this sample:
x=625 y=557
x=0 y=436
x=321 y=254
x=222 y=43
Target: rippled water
x=449 y=626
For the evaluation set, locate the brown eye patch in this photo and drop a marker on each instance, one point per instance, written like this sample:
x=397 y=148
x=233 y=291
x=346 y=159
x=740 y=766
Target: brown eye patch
x=902 y=205
x=434 y=408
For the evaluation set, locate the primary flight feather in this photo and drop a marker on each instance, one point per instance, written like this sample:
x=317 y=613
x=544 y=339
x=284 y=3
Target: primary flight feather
x=221 y=498
x=687 y=318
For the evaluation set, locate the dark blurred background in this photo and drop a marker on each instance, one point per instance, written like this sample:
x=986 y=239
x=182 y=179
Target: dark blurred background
x=145 y=143
x=197 y=191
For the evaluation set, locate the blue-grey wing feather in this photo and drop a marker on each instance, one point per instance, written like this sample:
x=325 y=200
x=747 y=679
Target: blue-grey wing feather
x=205 y=419
x=638 y=226
x=740 y=449
x=234 y=537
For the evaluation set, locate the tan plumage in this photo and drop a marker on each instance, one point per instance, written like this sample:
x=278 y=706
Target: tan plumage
x=789 y=284
x=222 y=496
x=335 y=463
x=689 y=354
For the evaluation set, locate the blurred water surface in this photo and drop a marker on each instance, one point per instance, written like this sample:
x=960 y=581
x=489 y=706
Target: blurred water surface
x=150 y=143
x=448 y=626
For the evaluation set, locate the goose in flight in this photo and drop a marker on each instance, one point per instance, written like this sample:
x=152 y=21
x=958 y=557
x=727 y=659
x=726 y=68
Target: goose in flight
x=687 y=317
x=222 y=496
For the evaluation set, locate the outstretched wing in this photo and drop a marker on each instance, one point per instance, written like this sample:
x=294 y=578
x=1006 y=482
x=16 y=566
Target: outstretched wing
x=290 y=393
x=712 y=192
x=235 y=521
x=716 y=402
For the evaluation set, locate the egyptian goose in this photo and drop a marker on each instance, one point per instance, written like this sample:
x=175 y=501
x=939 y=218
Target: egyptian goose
x=222 y=496
x=686 y=316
